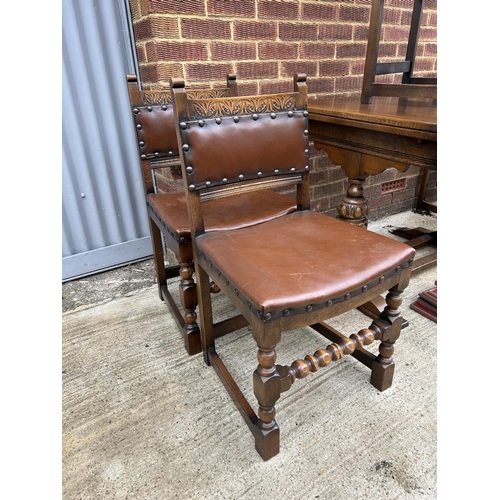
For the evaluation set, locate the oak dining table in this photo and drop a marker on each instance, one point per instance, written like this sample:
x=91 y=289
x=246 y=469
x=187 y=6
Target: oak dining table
x=366 y=139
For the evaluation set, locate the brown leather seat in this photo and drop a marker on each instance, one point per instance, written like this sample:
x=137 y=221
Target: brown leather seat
x=289 y=272
x=169 y=221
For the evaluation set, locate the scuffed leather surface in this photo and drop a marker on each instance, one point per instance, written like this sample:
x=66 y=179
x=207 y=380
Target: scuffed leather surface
x=225 y=213
x=300 y=259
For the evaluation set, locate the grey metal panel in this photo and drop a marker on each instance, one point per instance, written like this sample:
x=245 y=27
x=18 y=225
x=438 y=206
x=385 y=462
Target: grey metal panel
x=104 y=217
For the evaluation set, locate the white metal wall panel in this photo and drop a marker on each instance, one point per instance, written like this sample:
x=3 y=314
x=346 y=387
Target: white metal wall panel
x=104 y=217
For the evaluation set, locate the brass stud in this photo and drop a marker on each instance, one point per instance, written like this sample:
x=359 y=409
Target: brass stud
x=201 y=123
x=309 y=308
x=192 y=187
x=170 y=152
x=241 y=177
x=267 y=316
x=164 y=107
x=249 y=305
x=365 y=287
x=276 y=171
x=306 y=113
x=273 y=115
x=185 y=147
x=292 y=170
x=183 y=125
x=306 y=168
x=255 y=116
x=259 y=174
x=382 y=278
x=208 y=184
x=347 y=296
x=136 y=111
x=306 y=152
x=286 y=312
x=157 y=154
x=410 y=261
x=398 y=269
x=189 y=169
x=306 y=132
x=224 y=181
x=143 y=157
x=329 y=302
x=236 y=119
x=139 y=126
x=150 y=108
x=218 y=121
x=142 y=143
x=290 y=114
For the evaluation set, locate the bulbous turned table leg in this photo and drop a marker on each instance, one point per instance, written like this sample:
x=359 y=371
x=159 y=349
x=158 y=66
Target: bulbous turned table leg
x=353 y=208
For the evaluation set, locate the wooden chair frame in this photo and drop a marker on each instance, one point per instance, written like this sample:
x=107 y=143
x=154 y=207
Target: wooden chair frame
x=203 y=180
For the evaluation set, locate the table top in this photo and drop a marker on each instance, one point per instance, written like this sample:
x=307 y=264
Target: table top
x=403 y=113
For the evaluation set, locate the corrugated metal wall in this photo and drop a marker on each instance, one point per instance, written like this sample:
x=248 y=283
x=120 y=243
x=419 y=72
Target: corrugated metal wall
x=104 y=217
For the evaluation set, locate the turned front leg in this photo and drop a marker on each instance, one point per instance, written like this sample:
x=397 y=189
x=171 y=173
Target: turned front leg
x=189 y=301
x=267 y=389
x=383 y=366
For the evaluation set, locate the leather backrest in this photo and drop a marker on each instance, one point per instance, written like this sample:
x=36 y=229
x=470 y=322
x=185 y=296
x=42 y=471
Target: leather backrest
x=155 y=130
x=236 y=139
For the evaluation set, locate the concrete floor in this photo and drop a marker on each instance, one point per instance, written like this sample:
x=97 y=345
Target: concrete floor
x=141 y=419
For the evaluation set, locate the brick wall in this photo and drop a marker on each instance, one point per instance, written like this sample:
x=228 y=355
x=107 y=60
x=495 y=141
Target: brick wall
x=265 y=42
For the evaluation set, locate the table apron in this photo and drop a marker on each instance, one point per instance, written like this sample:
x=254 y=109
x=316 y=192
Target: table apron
x=391 y=146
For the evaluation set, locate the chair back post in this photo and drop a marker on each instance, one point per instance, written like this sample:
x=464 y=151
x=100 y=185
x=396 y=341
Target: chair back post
x=135 y=96
x=303 y=189
x=181 y=111
x=232 y=85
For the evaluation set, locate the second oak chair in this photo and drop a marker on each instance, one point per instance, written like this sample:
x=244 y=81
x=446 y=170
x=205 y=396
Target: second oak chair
x=157 y=147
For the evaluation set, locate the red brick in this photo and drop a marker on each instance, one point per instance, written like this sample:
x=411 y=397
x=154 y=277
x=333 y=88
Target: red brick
x=392 y=16
x=248 y=88
x=390 y=50
x=320 y=85
x=348 y=83
x=176 y=51
x=406 y=4
x=317 y=50
x=276 y=87
x=149 y=73
x=427 y=34
x=257 y=70
x=298 y=31
x=177 y=6
x=395 y=34
x=319 y=12
x=358 y=14
x=224 y=51
x=278 y=50
x=205 y=28
x=207 y=71
x=169 y=70
x=231 y=8
x=334 y=68
x=254 y=30
x=272 y=9
x=351 y=50
x=336 y=31
x=288 y=69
